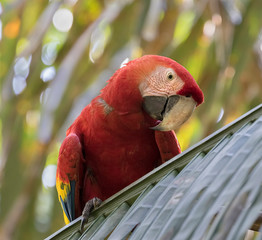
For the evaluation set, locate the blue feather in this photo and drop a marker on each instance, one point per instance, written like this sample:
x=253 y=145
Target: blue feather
x=69 y=203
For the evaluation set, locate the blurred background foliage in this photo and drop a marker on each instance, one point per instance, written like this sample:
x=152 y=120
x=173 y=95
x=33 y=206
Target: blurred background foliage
x=56 y=55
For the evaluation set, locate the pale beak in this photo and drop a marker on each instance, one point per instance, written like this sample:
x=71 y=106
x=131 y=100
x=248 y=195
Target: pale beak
x=172 y=111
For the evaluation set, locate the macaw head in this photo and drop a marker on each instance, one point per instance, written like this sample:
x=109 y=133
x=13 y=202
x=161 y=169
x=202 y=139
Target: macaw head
x=170 y=94
x=158 y=86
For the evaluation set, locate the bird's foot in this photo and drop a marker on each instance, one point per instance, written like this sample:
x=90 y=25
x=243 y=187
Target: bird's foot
x=90 y=205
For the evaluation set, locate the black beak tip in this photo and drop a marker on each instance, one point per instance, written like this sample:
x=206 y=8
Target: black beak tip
x=154 y=106
x=158 y=106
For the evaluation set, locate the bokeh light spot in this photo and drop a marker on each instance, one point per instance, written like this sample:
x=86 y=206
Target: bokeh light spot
x=220 y=116
x=99 y=39
x=63 y=20
x=48 y=74
x=217 y=19
x=49 y=176
x=11 y=29
x=21 y=67
x=21 y=72
x=230 y=72
x=19 y=84
x=32 y=118
x=44 y=96
x=209 y=29
x=49 y=53
x=21 y=45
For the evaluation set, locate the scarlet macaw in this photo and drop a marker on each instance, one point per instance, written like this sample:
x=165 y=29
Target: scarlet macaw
x=125 y=132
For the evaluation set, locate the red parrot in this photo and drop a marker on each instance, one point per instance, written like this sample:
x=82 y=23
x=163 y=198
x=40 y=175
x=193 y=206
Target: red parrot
x=125 y=132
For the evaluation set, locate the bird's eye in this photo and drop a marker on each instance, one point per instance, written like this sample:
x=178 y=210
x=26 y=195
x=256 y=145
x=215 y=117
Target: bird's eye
x=170 y=75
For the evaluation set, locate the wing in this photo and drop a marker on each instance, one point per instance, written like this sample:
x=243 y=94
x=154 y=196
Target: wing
x=168 y=144
x=69 y=176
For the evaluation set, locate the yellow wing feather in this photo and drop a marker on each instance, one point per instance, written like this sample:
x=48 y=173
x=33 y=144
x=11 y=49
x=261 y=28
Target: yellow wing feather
x=63 y=189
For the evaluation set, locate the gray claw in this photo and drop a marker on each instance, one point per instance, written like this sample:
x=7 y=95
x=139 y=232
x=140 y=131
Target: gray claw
x=90 y=205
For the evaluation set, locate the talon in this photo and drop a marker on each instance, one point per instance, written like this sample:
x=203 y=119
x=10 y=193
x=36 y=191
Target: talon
x=90 y=205
x=96 y=202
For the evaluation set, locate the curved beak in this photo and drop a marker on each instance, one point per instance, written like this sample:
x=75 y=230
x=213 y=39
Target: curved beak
x=172 y=111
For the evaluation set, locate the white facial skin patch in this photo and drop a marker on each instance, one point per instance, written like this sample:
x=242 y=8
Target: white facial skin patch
x=162 y=81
